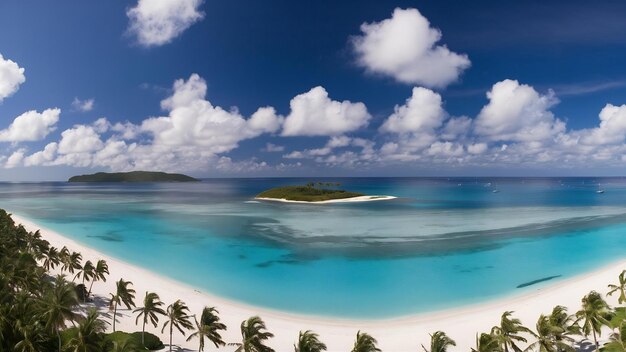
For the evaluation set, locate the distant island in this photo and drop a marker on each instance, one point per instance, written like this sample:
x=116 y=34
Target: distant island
x=133 y=176
x=311 y=193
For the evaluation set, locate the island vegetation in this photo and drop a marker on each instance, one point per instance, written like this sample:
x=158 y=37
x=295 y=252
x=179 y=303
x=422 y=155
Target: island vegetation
x=311 y=192
x=40 y=311
x=133 y=176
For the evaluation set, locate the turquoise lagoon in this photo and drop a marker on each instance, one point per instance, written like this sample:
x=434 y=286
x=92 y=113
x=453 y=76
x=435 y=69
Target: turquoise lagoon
x=443 y=243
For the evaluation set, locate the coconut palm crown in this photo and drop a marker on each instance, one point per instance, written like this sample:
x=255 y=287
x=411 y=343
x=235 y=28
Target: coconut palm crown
x=308 y=341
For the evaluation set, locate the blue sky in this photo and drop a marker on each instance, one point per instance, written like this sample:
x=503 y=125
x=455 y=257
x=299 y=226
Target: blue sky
x=424 y=88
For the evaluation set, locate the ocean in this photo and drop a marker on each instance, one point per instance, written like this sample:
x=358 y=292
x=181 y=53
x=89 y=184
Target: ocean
x=443 y=243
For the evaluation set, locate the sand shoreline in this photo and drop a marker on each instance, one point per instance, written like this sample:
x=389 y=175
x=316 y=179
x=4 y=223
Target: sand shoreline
x=343 y=200
x=394 y=334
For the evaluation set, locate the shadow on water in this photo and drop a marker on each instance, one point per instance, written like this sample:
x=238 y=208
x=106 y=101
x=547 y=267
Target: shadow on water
x=533 y=282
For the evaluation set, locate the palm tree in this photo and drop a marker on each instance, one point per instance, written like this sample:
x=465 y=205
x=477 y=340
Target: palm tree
x=33 y=242
x=88 y=335
x=594 y=308
x=33 y=337
x=64 y=253
x=487 y=343
x=544 y=337
x=253 y=334
x=178 y=318
x=71 y=262
x=439 y=342
x=208 y=327
x=365 y=343
x=123 y=294
x=563 y=325
x=87 y=272
x=621 y=287
x=508 y=332
x=308 y=341
x=99 y=272
x=57 y=307
x=51 y=258
x=151 y=307
x=617 y=340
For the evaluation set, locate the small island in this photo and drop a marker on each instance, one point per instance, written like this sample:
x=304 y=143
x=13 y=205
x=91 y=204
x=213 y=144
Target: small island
x=133 y=176
x=310 y=193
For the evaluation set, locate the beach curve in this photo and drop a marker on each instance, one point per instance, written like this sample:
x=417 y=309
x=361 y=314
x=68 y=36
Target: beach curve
x=394 y=334
x=341 y=200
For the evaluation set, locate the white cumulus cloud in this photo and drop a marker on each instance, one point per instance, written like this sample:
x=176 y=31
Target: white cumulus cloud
x=31 y=126
x=41 y=157
x=517 y=112
x=422 y=112
x=314 y=114
x=11 y=76
x=158 y=22
x=79 y=139
x=194 y=121
x=405 y=47
x=15 y=159
x=83 y=105
x=612 y=128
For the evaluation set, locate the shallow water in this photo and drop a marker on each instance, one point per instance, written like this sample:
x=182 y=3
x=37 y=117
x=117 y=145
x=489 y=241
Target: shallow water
x=442 y=243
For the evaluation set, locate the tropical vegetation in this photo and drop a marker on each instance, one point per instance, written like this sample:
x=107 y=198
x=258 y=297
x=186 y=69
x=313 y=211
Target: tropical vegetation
x=307 y=193
x=45 y=306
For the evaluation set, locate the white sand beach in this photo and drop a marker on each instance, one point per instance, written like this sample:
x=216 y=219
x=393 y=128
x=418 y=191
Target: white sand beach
x=343 y=200
x=396 y=335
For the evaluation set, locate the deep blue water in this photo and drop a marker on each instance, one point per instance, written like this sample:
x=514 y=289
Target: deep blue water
x=442 y=243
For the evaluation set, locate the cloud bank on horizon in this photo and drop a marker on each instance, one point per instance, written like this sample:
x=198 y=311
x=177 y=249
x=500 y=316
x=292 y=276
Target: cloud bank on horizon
x=516 y=125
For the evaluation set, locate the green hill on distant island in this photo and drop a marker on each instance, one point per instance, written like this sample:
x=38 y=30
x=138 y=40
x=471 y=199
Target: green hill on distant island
x=307 y=193
x=133 y=176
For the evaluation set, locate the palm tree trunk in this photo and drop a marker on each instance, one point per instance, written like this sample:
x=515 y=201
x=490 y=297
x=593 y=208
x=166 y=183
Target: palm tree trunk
x=84 y=298
x=90 y=286
x=143 y=331
x=170 y=337
x=595 y=339
x=114 y=315
x=59 y=338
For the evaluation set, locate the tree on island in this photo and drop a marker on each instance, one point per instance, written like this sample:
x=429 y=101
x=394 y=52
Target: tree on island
x=253 y=336
x=208 y=327
x=51 y=258
x=365 y=343
x=150 y=312
x=100 y=272
x=123 y=295
x=562 y=327
x=508 y=332
x=177 y=317
x=544 y=338
x=88 y=335
x=620 y=287
x=617 y=340
x=308 y=341
x=87 y=272
x=487 y=343
x=592 y=315
x=439 y=342
x=58 y=305
x=70 y=261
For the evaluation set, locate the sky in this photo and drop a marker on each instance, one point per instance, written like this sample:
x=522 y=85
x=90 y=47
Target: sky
x=238 y=88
